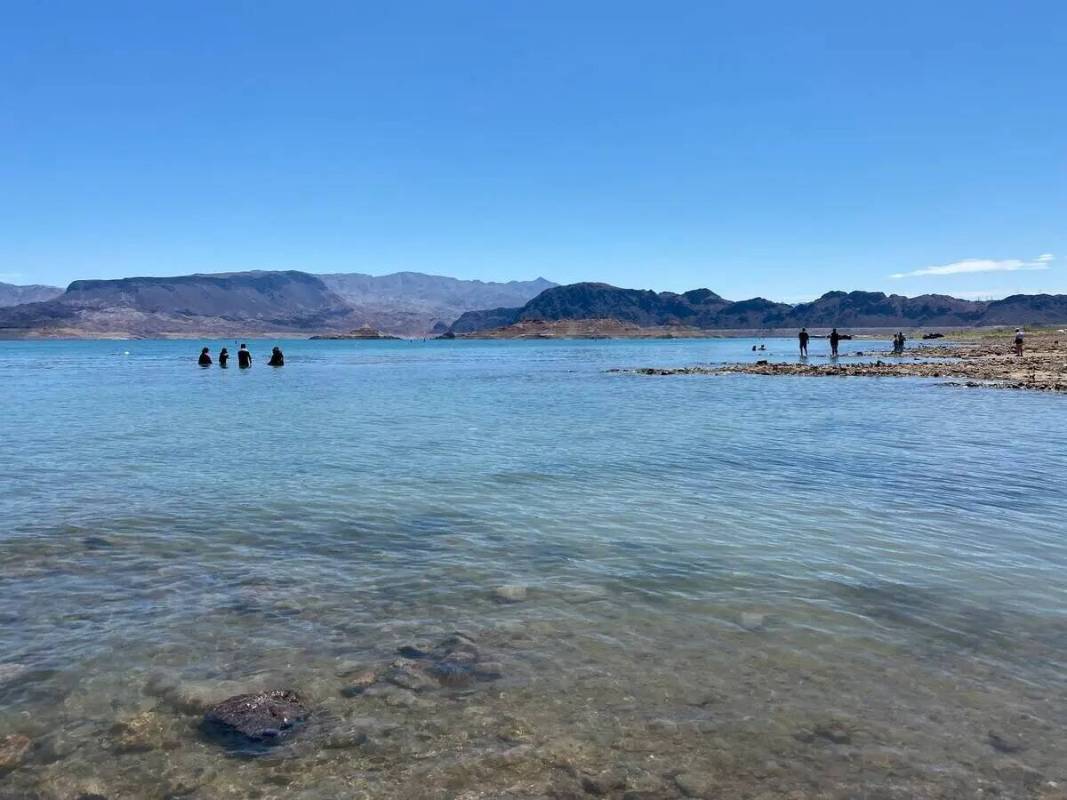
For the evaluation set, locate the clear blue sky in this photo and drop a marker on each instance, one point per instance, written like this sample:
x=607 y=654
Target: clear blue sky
x=779 y=149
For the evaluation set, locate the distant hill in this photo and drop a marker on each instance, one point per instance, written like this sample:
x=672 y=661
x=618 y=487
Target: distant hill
x=702 y=308
x=238 y=303
x=411 y=303
x=12 y=295
x=245 y=303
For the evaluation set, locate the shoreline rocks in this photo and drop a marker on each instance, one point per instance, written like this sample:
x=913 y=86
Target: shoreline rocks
x=1042 y=368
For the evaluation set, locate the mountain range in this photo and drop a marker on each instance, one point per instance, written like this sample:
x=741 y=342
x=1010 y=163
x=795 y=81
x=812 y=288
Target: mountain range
x=12 y=295
x=413 y=304
x=702 y=308
x=259 y=302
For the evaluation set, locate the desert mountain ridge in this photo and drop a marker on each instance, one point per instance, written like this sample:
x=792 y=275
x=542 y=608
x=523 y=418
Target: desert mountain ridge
x=14 y=295
x=703 y=309
x=291 y=302
x=260 y=301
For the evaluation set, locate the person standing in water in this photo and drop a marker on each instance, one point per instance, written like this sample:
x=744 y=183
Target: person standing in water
x=205 y=358
x=835 y=338
x=277 y=359
x=244 y=358
x=224 y=357
x=803 y=336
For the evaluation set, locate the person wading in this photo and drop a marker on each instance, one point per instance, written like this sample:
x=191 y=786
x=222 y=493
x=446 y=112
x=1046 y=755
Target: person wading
x=835 y=338
x=224 y=358
x=244 y=358
x=205 y=358
x=803 y=336
x=277 y=358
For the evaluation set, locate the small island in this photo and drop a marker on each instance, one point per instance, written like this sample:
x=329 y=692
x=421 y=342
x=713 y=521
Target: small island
x=366 y=332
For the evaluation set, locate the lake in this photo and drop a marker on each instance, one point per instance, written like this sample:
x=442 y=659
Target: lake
x=690 y=586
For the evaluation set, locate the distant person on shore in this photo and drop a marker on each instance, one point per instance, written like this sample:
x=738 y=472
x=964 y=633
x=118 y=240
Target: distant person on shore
x=224 y=357
x=902 y=340
x=1019 y=341
x=205 y=358
x=803 y=336
x=835 y=338
x=277 y=359
x=244 y=358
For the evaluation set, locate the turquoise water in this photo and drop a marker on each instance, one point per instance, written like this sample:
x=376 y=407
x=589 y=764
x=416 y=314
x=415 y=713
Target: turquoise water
x=718 y=585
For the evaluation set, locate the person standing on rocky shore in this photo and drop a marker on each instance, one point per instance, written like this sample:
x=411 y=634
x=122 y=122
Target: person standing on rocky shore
x=1019 y=340
x=803 y=336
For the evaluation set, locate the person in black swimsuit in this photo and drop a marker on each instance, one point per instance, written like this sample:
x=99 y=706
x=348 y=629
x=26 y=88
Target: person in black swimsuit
x=803 y=336
x=224 y=356
x=244 y=358
x=205 y=358
x=277 y=359
x=835 y=337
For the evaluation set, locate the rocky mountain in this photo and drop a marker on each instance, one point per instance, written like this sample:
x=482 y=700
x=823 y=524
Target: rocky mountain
x=12 y=295
x=702 y=308
x=245 y=303
x=238 y=303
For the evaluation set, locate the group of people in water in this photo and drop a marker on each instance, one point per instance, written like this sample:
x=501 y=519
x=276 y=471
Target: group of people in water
x=804 y=337
x=244 y=357
x=835 y=340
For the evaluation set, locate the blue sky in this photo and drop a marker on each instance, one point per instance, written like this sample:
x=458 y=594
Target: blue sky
x=775 y=149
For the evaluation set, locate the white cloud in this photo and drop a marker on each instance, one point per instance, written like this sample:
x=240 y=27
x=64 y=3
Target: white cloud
x=970 y=265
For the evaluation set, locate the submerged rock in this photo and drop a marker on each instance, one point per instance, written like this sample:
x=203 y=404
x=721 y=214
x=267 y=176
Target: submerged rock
x=696 y=784
x=259 y=718
x=13 y=751
x=453 y=663
x=509 y=594
x=1005 y=743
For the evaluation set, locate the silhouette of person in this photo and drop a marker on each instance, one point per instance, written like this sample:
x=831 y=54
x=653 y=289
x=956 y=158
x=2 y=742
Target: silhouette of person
x=277 y=359
x=224 y=357
x=835 y=337
x=244 y=358
x=803 y=336
x=205 y=358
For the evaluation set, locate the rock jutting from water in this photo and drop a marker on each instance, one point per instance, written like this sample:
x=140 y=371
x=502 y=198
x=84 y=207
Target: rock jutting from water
x=262 y=718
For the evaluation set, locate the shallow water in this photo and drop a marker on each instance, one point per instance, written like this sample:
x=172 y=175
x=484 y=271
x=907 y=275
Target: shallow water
x=723 y=586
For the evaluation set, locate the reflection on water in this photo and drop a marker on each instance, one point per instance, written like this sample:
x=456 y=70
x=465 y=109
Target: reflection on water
x=706 y=587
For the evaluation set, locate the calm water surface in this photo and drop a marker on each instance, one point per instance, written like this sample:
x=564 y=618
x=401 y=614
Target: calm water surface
x=726 y=586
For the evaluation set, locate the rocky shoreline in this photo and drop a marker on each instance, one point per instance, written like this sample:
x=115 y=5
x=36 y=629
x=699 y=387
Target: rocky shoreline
x=988 y=362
